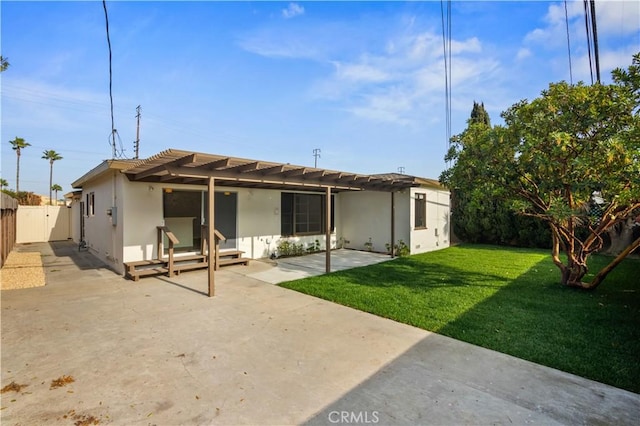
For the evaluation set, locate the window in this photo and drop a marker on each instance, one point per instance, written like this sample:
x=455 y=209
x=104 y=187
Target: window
x=304 y=214
x=420 y=211
x=90 y=204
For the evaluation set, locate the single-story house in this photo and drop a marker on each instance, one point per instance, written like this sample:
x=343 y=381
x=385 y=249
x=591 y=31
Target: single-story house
x=118 y=206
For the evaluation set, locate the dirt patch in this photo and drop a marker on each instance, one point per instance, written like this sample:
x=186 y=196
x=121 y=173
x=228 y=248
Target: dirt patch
x=61 y=381
x=22 y=270
x=13 y=387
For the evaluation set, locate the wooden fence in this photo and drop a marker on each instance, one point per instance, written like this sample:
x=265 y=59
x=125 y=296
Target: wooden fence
x=8 y=214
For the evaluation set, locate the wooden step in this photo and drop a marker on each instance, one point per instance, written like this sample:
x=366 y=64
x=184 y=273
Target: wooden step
x=144 y=263
x=234 y=261
x=230 y=253
x=189 y=258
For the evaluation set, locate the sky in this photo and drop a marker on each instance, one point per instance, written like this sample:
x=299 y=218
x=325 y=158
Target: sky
x=363 y=82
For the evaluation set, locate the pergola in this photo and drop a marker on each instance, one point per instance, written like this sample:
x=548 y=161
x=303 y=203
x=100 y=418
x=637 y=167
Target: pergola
x=195 y=168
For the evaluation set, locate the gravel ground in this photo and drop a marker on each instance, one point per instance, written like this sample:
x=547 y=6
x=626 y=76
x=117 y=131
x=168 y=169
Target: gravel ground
x=22 y=270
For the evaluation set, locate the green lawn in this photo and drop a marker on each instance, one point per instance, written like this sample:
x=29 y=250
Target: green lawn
x=508 y=300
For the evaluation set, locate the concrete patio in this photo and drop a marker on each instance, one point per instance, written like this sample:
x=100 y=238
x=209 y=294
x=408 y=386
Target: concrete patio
x=160 y=352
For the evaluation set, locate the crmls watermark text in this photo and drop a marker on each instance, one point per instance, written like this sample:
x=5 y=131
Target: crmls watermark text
x=347 y=417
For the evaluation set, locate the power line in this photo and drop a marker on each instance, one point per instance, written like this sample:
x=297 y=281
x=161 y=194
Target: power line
x=316 y=154
x=566 y=19
x=586 y=26
x=113 y=127
x=446 y=46
x=594 y=31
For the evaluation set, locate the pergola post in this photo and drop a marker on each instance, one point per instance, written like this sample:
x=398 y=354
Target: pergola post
x=211 y=236
x=393 y=224
x=328 y=231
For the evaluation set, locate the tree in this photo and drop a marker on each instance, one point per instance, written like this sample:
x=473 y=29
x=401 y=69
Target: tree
x=18 y=144
x=52 y=156
x=55 y=187
x=557 y=152
x=3 y=183
x=4 y=63
x=479 y=114
x=476 y=215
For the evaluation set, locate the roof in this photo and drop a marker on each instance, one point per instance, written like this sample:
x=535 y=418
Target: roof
x=174 y=166
x=101 y=168
x=185 y=167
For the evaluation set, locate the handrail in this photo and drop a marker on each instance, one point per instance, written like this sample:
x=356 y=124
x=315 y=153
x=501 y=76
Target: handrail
x=205 y=244
x=172 y=241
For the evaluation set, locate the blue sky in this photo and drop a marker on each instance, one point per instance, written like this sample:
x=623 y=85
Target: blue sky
x=362 y=81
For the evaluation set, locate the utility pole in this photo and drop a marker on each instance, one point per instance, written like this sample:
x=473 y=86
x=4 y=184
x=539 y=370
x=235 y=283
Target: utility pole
x=316 y=154
x=136 y=144
x=401 y=169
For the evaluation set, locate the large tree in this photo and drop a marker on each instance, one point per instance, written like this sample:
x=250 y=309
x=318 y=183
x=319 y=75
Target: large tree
x=476 y=215
x=52 y=156
x=572 y=159
x=18 y=144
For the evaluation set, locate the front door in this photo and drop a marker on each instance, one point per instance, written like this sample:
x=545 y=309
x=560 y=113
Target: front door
x=226 y=211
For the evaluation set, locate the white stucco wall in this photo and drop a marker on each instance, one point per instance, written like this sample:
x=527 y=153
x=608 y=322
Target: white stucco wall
x=366 y=216
x=436 y=234
x=104 y=239
x=74 y=221
x=359 y=216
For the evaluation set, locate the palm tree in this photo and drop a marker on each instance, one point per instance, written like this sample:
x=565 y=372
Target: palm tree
x=55 y=187
x=18 y=145
x=4 y=63
x=3 y=183
x=52 y=156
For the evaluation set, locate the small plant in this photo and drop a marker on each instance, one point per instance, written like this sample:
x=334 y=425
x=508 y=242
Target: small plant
x=314 y=247
x=401 y=248
x=285 y=248
x=369 y=245
x=343 y=242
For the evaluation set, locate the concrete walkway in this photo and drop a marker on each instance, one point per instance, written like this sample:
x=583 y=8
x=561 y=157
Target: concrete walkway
x=160 y=352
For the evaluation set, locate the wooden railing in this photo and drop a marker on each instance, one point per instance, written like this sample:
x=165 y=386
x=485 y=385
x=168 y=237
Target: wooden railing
x=172 y=242
x=205 y=244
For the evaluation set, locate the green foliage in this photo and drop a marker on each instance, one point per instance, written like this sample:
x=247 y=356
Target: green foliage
x=505 y=299
x=479 y=115
x=3 y=183
x=24 y=198
x=401 y=248
x=479 y=214
x=548 y=160
x=288 y=248
x=4 y=63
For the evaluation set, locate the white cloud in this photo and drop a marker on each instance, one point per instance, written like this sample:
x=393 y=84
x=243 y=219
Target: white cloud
x=523 y=53
x=293 y=10
x=397 y=84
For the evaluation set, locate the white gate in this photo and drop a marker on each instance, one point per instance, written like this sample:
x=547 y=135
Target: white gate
x=43 y=223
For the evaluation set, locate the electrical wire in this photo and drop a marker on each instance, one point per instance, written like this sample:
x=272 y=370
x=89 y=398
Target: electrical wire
x=566 y=19
x=446 y=46
x=594 y=31
x=586 y=25
x=113 y=127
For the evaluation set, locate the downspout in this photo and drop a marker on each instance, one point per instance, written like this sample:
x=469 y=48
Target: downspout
x=393 y=224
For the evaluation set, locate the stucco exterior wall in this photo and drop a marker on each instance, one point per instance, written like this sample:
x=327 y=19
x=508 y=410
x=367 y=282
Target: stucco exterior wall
x=103 y=238
x=366 y=216
x=258 y=220
x=436 y=235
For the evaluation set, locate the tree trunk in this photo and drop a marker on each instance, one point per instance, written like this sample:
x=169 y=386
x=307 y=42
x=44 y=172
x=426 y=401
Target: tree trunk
x=17 y=171
x=602 y=274
x=50 y=181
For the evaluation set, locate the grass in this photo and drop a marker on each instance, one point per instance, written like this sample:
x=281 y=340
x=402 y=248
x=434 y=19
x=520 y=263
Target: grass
x=508 y=300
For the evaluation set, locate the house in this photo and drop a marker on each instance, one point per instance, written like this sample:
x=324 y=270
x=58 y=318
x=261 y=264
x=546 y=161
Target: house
x=120 y=205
